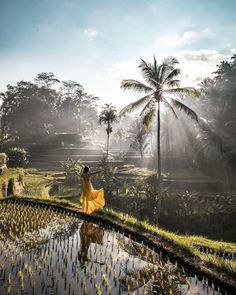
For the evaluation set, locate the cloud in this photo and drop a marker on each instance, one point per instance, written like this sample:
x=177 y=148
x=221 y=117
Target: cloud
x=195 y=66
x=211 y=57
x=199 y=64
x=105 y=81
x=233 y=50
x=108 y=72
x=90 y=33
x=172 y=41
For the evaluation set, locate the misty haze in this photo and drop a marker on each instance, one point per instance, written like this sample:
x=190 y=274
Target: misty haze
x=118 y=147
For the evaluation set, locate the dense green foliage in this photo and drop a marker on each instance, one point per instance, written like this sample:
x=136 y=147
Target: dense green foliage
x=217 y=132
x=140 y=138
x=30 y=111
x=17 y=157
x=72 y=170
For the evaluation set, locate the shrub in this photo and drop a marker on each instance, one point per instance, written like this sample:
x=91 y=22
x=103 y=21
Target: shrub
x=72 y=170
x=17 y=157
x=107 y=178
x=3 y=158
x=11 y=187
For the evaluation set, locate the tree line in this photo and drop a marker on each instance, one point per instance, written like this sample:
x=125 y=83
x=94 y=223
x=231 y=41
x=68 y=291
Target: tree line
x=47 y=105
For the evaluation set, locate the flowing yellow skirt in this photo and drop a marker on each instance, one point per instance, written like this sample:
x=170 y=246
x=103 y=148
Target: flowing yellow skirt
x=91 y=199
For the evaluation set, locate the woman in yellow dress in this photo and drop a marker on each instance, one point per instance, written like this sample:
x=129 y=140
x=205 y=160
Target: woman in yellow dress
x=91 y=199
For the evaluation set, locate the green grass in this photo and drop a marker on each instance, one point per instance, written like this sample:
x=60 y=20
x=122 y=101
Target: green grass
x=219 y=262
x=185 y=242
x=37 y=187
x=68 y=192
x=48 y=200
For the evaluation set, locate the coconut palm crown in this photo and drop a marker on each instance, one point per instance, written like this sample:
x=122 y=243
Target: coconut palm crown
x=108 y=116
x=160 y=87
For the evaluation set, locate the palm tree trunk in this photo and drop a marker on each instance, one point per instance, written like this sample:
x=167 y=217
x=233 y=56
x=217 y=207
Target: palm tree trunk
x=157 y=207
x=108 y=133
x=158 y=145
x=79 y=123
x=107 y=144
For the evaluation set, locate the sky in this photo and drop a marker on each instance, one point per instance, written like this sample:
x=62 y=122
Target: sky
x=98 y=43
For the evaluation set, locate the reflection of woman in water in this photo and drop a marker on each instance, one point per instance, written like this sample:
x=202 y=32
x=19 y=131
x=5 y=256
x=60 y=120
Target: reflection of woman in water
x=88 y=234
x=91 y=199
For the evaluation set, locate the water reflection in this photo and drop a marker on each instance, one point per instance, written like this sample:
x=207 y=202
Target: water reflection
x=69 y=256
x=89 y=234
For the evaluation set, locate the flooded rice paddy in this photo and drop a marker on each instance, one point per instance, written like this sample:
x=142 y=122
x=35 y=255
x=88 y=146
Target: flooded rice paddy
x=44 y=251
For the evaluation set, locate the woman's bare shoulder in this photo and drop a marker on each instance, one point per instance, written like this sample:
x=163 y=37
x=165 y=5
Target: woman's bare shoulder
x=85 y=175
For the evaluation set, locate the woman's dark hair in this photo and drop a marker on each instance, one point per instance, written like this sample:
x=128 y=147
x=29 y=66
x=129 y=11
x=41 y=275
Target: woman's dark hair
x=86 y=169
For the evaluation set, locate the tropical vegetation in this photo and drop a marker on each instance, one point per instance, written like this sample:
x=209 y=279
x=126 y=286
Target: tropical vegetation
x=161 y=88
x=108 y=116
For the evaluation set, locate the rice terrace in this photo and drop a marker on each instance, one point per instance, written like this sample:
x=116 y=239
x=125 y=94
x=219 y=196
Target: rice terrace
x=117 y=147
x=46 y=251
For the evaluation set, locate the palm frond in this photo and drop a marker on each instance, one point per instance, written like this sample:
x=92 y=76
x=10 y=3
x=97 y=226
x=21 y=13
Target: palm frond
x=146 y=145
x=172 y=74
x=169 y=106
x=170 y=61
x=173 y=83
x=147 y=107
x=160 y=72
x=182 y=107
x=134 y=105
x=148 y=72
x=166 y=67
x=148 y=118
x=184 y=91
x=146 y=67
x=155 y=66
x=108 y=114
x=135 y=85
x=209 y=133
x=101 y=120
x=164 y=71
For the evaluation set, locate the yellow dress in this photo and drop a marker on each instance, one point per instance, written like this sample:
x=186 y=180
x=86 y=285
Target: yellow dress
x=91 y=199
x=88 y=234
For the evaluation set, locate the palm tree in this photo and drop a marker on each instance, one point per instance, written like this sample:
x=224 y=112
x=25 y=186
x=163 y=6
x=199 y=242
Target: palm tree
x=120 y=134
x=140 y=137
x=161 y=88
x=108 y=116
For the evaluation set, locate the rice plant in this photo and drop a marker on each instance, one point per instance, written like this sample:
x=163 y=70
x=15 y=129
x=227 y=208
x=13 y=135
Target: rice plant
x=44 y=251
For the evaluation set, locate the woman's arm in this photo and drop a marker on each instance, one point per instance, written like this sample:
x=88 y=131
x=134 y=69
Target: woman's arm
x=93 y=173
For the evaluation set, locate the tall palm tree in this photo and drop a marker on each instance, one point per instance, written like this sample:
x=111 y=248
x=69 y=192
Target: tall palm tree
x=108 y=116
x=161 y=87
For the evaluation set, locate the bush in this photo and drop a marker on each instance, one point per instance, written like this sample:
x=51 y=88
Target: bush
x=72 y=170
x=3 y=158
x=17 y=157
x=107 y=178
